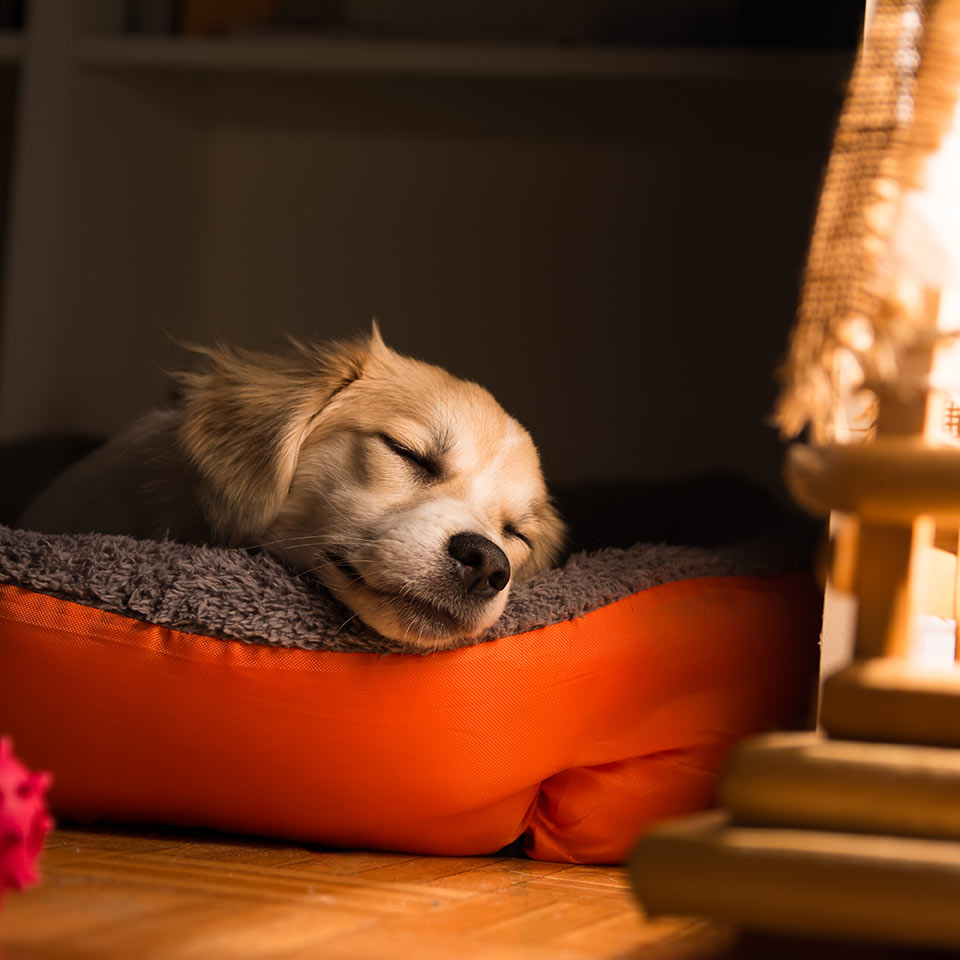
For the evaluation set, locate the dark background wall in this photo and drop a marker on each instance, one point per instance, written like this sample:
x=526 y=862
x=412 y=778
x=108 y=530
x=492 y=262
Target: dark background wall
x=615 y=253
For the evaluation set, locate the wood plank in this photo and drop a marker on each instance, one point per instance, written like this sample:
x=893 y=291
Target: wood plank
x=184 y=895
x=251 y=882
x=892 y=700
x=804 y=780
x=815 y=883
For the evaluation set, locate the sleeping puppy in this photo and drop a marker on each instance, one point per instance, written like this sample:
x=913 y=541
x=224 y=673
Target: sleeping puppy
x=411 y=495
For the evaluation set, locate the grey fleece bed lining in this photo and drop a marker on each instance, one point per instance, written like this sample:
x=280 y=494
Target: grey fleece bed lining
x=250 y=597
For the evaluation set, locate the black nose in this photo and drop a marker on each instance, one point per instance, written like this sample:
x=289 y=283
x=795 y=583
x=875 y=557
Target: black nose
x=481 y=565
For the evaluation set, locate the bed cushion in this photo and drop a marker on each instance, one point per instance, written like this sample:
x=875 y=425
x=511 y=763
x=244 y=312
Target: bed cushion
x=173 y=684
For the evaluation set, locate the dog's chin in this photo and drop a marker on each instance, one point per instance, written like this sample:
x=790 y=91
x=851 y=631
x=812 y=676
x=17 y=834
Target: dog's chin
x=409 y=619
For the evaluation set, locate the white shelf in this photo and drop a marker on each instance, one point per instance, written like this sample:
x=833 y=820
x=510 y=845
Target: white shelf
x=284 y=55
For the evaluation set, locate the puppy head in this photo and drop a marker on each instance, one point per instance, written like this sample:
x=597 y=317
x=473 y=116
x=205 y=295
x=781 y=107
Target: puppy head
x=409 y=493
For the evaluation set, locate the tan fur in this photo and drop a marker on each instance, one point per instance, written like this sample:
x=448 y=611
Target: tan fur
x=297 y=454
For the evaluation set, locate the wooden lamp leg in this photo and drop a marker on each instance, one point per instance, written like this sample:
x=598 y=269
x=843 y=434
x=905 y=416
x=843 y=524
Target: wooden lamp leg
x=889 y=584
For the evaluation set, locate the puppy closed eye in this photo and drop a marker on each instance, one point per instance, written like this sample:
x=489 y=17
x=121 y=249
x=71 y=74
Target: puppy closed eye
x=509 y=530
x=424 y=463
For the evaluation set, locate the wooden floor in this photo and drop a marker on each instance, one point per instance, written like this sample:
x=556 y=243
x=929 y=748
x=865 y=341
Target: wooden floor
x=145 y=894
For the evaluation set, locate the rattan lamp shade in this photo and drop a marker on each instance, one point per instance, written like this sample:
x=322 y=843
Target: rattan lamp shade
x=875 y=257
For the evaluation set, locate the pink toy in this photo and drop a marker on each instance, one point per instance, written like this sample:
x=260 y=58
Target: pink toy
x=24 y=820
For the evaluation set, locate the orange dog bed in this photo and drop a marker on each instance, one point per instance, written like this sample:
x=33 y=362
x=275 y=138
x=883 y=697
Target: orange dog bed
x=573 y=734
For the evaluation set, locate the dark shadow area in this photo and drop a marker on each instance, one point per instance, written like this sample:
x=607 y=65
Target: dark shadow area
x=28 y=466
x=709 y=510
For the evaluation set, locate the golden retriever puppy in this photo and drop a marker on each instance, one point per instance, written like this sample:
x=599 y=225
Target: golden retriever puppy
x=411 y=495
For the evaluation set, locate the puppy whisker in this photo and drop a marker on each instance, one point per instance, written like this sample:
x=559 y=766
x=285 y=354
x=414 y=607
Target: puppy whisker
x=345 y=622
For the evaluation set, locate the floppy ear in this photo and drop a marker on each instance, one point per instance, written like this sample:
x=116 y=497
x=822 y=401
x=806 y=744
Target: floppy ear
x=245 y=418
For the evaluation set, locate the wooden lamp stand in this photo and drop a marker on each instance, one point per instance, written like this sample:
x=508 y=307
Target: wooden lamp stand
x=851 y=832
